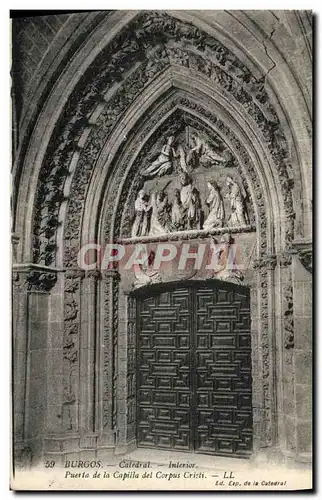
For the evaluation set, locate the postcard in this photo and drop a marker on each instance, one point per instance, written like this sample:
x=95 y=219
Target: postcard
x=162 y=250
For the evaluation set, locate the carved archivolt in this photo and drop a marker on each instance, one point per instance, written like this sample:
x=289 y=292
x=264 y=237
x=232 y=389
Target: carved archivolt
x=150 y=43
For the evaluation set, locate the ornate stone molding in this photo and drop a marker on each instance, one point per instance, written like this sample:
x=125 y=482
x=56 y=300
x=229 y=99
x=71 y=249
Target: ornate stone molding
x=285 y=258
x=156 y=41
x=187 y=235
x=267 y=261
x=30 y=279
x=288 y=319
x=110 y=289
x=73 y=279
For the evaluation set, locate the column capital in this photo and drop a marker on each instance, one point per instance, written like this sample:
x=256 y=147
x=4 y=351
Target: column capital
x=33 y=277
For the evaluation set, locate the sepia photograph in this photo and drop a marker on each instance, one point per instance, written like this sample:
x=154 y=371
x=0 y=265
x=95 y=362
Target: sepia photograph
x=161 y=235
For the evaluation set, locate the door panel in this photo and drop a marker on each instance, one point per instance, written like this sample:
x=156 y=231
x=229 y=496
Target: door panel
x=223 y=371
x=164 y=396
x=194 y=369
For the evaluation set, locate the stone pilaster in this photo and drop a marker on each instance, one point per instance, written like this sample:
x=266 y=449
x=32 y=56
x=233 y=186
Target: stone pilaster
x=287 y=374
x=302 y=282
x=30 y=298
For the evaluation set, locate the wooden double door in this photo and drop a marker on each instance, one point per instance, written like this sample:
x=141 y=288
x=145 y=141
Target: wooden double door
x=194 y=384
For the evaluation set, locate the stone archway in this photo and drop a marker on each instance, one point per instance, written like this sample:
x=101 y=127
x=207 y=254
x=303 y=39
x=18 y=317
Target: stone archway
x=151 y=72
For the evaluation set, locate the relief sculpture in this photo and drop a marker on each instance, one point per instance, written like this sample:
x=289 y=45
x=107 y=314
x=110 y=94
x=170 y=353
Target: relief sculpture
x=202 y=153
x=177 y=212
x=190 y=185
x=216 y=206
x=238 y=215
x=163 y=164
x=190 y=203
x=142 y=208
x=145 y=274
x=160 y=217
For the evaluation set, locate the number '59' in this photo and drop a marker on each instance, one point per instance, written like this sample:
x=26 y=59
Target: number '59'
x=50 y=464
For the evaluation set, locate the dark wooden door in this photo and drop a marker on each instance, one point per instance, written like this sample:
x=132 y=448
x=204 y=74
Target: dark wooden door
x=194 y=368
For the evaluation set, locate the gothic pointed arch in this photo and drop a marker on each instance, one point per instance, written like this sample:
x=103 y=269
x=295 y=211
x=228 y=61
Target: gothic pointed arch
x=139 y=78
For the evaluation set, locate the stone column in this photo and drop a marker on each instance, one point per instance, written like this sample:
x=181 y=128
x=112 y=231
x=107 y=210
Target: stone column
x=302 y=282
x=107 y=379
x=286 y=357
x=88 y=349
x=15 y=242
x=31 y=286
x=126 y=395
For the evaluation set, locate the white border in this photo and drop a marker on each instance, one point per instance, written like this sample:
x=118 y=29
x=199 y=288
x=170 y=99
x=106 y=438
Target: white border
x=315 y=5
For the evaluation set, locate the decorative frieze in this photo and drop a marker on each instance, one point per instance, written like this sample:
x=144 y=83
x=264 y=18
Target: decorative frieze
x=73 y=278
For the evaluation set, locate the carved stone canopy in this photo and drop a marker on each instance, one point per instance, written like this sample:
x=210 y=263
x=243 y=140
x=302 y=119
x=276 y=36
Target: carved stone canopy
x=304 y=253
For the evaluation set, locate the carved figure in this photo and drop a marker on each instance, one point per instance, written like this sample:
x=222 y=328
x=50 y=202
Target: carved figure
x=160 y=217
x=176 y=212
x=216 y=207
x=202 y=153
x=232 y=275
x=142 y=215
x=185 y=197
x=194 y=213
x=225 y=269
x=238 y=215
x=146 y=274
x=164 y=162
x=190 y=202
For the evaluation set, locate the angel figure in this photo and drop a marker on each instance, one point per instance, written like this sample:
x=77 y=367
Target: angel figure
x=202 y=153
x=164 y=162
